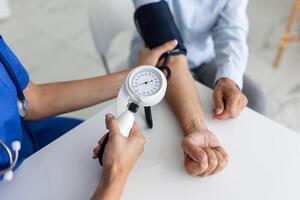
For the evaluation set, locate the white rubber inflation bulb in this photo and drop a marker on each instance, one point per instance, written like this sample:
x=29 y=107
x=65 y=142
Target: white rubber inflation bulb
x=126 y=119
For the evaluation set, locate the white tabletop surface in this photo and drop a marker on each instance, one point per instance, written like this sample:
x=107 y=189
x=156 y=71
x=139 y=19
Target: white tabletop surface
x=264 y=162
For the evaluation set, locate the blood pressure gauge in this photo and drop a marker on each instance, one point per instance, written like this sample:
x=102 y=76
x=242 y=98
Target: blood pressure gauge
x=145 y=85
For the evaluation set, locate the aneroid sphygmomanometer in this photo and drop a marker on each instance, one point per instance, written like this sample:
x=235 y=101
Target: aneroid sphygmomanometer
x=146 y=85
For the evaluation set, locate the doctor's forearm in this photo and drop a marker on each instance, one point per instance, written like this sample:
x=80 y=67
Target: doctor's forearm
x=183 y=98
x=58 y=98
x=109 y=189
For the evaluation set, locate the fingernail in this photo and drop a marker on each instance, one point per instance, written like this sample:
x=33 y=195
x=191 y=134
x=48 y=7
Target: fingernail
x=108 y=115
x=175 y=42
x=218 y=111
x=214 y=117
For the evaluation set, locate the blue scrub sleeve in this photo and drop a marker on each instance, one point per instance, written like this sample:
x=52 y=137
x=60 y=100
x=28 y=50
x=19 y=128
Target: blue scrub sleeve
x=43 y=132
x=39 y=134
x=16 y=66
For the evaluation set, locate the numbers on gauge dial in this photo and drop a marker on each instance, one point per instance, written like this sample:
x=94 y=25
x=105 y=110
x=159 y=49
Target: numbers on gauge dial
x=146 y=83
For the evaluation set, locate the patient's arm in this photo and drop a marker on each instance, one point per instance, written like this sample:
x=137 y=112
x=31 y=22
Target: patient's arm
x=182 y=96
x=203 y=153
x=50 y=99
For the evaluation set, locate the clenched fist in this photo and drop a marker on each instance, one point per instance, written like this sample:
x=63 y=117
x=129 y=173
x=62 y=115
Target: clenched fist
x=203 y=155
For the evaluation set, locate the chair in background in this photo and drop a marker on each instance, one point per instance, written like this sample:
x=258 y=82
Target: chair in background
x=108 y=18
x=287 y=36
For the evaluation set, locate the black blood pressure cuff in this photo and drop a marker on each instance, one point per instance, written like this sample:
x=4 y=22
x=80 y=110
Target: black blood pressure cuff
x=156 y=26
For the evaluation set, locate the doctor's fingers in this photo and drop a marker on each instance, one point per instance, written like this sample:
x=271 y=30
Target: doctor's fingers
x=112 y=125
x=96 y=152
x=100 y=142
x=136 y=138
x=168 y=46
x=97 y=148
x=135 y=132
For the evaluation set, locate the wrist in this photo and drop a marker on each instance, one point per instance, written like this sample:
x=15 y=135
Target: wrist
x=177 y=59
x=174 y=60
x=198 y=124
x=112 y=175
x=226 y=81
x=110 y=186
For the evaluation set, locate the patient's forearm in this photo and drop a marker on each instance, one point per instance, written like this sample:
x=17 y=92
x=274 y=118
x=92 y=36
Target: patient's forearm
x=182 y=96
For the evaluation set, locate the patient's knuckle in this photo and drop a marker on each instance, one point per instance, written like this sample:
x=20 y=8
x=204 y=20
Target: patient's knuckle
x=235 y=94
x=230 y=112
x=245 y=100
x=221 y=162
x=216 y=94
x=236 y=114
x=191 y=171
x=226 y=158
x=201 y=175
x=214 y=161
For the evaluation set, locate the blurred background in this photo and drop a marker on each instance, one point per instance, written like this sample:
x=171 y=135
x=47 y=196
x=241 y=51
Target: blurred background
x=54 y=41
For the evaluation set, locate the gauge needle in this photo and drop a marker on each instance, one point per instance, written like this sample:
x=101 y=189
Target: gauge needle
x=146 y=82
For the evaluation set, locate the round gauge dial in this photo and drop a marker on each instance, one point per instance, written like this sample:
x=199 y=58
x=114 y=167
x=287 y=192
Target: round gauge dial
x=146 y=82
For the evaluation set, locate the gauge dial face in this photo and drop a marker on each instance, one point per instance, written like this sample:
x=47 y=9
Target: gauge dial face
x=146 y=82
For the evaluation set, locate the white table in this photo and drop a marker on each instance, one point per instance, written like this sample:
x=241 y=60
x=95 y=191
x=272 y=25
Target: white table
x=264 y=162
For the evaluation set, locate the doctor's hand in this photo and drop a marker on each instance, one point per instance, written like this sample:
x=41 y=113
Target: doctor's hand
x=229 y=100
x=119 y=156
x=151 y=57
x=203 y=155
x=120 y=153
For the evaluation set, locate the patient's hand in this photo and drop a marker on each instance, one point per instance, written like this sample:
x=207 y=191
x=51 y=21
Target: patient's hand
x=229 y=100
x=203 y=155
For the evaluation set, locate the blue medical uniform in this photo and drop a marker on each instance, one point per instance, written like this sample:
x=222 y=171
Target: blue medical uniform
x=33 y=135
